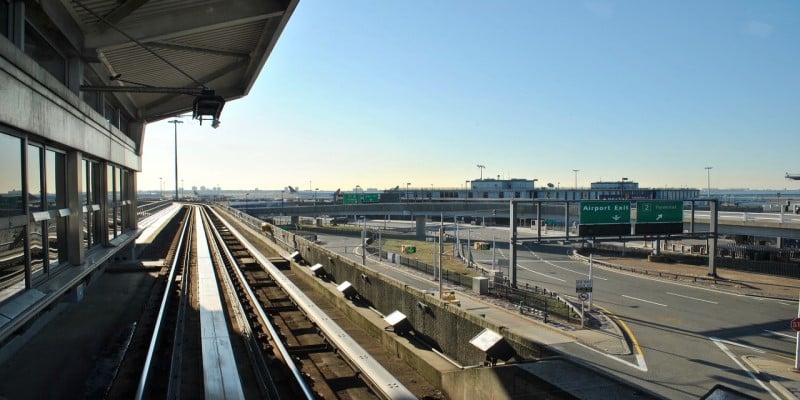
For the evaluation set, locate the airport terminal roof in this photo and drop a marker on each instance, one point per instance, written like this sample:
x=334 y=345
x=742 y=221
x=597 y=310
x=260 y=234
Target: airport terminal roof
x=187 y=44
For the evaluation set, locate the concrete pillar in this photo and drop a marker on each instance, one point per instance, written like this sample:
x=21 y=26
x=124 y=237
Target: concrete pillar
x=539 y=221
x=74 y=222
x=713 y=221
x=512 y=242
x=420 y=219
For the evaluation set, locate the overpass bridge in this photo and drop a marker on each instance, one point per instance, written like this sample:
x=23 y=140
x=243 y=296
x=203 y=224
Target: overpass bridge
x=560 y=213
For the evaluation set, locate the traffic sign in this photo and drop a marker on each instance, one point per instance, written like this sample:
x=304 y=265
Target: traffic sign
x=605 y=212
x=795 y=324
x=659 y=211
x=583 y=296
x=583 y=286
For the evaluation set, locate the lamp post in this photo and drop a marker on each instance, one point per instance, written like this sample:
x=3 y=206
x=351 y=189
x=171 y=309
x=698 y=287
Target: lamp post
x=245 y=202
x=622 y=188
x=282 y=191
x=175 y=122
x=481 y=168
x=708 y=178
x=316 y=190
x=407 y=185
x=161 y=187
x=576 y=178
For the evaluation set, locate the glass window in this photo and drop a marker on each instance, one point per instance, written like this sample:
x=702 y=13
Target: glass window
x=37 y=47
x=34 y=178
x=118 y=194
x=10 y=176
x=5 y=18
x=86 y=194
x=13 y=272
x=12 y=245
x=35 y=204
x=112 y=199
x=56 y=199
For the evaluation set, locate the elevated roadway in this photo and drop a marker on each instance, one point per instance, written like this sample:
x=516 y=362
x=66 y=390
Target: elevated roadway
x=782 y=225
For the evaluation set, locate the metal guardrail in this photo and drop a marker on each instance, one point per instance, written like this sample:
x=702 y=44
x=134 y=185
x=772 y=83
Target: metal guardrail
x=146 y=210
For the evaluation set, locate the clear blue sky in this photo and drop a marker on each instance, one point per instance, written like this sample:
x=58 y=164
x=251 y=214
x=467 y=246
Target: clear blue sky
x=378 y=93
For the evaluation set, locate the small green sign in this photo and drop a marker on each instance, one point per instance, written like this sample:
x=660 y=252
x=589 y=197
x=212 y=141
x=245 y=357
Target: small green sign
x=358 y=198
x=659 y=211
x=605 y=212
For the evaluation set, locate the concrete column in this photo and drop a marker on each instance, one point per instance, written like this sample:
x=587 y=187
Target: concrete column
x=539 y=221
x=103 y=188
x=512 y=242
x=74 y=229
x=420 y=219
x=713 y=222
x=133 y=219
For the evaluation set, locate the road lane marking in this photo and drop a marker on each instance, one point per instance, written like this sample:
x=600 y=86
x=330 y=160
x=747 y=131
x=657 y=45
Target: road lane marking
x=732 y=343
x=640 y=364
x=728 y=353
x=539 y=273
x=646 y=301
x=780 y=334
x=552 y=264
x=692 y=298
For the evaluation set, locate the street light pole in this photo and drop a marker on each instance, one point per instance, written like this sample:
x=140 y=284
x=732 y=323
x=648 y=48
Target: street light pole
x=708 y=177
x=576 y=178
x=481 y=168
x=175 y=122
x=407 y=185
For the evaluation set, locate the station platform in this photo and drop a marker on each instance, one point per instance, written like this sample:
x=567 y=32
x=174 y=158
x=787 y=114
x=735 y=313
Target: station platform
x=72 y=351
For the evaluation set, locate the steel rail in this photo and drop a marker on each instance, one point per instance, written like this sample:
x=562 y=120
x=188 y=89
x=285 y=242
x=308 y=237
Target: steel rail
x=161 y=312
x=375 y=375
x=273 y=333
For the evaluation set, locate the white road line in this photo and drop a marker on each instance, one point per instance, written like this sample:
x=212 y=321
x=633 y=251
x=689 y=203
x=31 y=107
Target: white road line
x=733 y=357
x=780 y=334
x=692 y=298
x=640 y=364
x=646 y=301
x=539 y=273
x=732 y=343
x=552 y=264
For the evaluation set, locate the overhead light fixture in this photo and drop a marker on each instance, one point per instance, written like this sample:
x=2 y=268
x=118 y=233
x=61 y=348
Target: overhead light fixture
x=207 y=107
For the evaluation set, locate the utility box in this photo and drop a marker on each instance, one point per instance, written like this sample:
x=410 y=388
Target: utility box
x=480 y=284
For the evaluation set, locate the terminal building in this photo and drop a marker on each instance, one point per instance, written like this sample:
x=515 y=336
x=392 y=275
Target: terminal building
x=490 y=188
x=79 y=82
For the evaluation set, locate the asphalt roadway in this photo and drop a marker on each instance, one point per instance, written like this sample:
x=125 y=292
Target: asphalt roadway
x=676 y=339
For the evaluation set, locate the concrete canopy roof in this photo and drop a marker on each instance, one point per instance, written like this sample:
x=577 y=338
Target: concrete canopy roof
x=189 y=44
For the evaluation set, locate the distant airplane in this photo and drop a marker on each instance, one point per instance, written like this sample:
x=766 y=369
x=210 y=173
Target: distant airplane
x=291 y=189
x=794 y=177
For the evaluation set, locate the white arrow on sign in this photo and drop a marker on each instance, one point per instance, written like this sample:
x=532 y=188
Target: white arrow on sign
x=616 y=217
x=659 y=217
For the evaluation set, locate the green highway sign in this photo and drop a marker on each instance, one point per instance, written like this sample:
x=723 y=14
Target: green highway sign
x=605 y=212
x=659 y=211
x=358 y=198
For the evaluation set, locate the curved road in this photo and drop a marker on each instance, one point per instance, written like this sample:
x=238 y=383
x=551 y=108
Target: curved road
x=686 y=338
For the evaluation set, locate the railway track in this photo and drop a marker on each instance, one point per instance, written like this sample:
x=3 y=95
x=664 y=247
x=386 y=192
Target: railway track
x=285 y=347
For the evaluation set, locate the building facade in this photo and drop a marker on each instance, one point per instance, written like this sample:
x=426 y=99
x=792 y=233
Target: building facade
x=79 y=82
